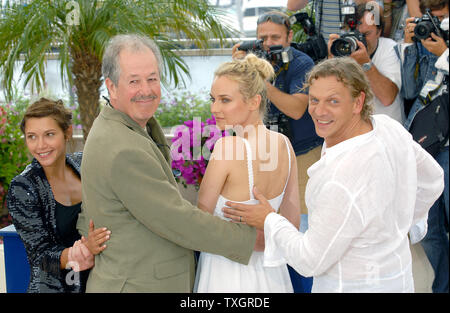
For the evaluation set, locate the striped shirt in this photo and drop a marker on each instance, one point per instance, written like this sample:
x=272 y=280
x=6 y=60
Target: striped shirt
x=330 y=22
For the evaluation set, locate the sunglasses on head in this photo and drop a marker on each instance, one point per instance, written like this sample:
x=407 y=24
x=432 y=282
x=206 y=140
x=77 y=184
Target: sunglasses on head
x=275 y=18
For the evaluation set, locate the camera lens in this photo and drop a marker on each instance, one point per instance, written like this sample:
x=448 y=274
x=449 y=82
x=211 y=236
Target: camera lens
x=423 y=30
x=252 y=45
x=344 y=46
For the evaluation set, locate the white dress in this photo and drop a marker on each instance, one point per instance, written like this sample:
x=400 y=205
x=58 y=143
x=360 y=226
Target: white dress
x=216 y=273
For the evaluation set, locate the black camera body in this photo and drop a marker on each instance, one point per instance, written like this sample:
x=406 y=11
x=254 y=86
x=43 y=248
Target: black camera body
x=426 y=25
x=279 y=53
x=315 y=46
x=275 y=54
x=279 y=122
x=348 y=42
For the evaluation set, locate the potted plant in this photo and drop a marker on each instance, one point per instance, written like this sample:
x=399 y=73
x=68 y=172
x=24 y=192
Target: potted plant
x=13 y=154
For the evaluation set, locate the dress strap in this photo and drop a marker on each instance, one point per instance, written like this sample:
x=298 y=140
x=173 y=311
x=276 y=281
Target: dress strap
x=249 y=167
x=289 y=157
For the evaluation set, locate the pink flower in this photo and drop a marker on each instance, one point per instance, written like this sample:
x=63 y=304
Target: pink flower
x=188 y=145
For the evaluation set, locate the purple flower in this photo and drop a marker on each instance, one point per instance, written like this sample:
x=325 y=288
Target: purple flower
x=188 y=148
x=211 y=121
x=189 y=123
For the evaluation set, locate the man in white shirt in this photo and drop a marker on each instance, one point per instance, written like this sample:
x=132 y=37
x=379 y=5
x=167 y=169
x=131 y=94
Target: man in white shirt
x=372 y=183
x=378 y=60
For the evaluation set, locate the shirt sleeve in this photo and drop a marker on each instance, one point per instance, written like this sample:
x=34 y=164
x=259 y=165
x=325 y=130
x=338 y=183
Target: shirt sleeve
x=298 y=74
x=442 y=62
x=390 y=64
x=412 y=80
x=334 y=223
x=26 y=211
x=430 y=182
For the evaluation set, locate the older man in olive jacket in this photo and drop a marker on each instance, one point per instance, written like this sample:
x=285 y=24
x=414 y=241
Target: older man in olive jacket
x=128 y=186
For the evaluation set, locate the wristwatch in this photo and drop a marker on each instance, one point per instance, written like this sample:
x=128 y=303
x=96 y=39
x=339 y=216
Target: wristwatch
x=367 y=66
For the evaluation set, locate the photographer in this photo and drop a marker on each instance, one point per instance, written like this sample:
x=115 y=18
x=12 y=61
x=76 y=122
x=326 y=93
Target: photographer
x=328 y=15
x=377 y=58
x=425 y=67
x=288 y=103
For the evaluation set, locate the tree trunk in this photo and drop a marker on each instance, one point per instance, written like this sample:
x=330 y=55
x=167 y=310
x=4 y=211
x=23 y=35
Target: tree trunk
x=87 y=71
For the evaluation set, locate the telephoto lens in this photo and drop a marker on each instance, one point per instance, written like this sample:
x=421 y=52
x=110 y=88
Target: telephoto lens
x=252 y=45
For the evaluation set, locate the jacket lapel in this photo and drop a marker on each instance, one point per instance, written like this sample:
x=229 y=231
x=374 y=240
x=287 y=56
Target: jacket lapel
x=157 y=138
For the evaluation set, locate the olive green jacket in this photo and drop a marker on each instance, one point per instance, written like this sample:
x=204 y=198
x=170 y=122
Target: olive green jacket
x=128 y=187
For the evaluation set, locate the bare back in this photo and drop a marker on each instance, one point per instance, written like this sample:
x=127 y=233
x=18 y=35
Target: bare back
x=270 y=162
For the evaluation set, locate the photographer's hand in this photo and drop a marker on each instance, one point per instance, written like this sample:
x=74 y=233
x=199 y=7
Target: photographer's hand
x=331 y=38
x=409 y=29
x=237 y=54
x=435 y=44
x=361 y=55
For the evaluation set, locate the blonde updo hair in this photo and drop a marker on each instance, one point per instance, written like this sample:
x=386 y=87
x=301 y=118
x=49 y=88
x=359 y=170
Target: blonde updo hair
x=251 y=74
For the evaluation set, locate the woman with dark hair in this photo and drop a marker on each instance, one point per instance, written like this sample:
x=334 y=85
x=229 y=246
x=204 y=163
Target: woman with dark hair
x=44 y=202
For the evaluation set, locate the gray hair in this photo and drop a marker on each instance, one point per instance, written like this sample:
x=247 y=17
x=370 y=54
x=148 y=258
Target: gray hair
x=131 y=42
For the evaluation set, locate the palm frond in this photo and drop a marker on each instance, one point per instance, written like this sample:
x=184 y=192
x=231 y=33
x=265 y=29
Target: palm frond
x=28 y=33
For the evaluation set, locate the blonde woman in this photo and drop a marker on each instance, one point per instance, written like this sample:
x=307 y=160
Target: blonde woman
x=256 y=156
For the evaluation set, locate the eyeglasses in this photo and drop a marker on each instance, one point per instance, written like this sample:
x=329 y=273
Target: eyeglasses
x=277 y=19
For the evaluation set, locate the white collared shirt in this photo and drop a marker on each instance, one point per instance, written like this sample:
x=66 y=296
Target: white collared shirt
x=363 y=196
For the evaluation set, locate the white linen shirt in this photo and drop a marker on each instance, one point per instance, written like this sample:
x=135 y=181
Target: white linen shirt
x=363 y=196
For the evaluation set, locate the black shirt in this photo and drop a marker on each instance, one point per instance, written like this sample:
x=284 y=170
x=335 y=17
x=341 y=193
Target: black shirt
x=66 y=227
x=66 y=223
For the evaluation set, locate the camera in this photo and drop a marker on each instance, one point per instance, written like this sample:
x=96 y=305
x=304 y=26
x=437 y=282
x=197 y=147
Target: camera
x=348 y=42
x=428 y=24
x=315 y=46
x=253 y=45
x=280 y=122
x=275 y=54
